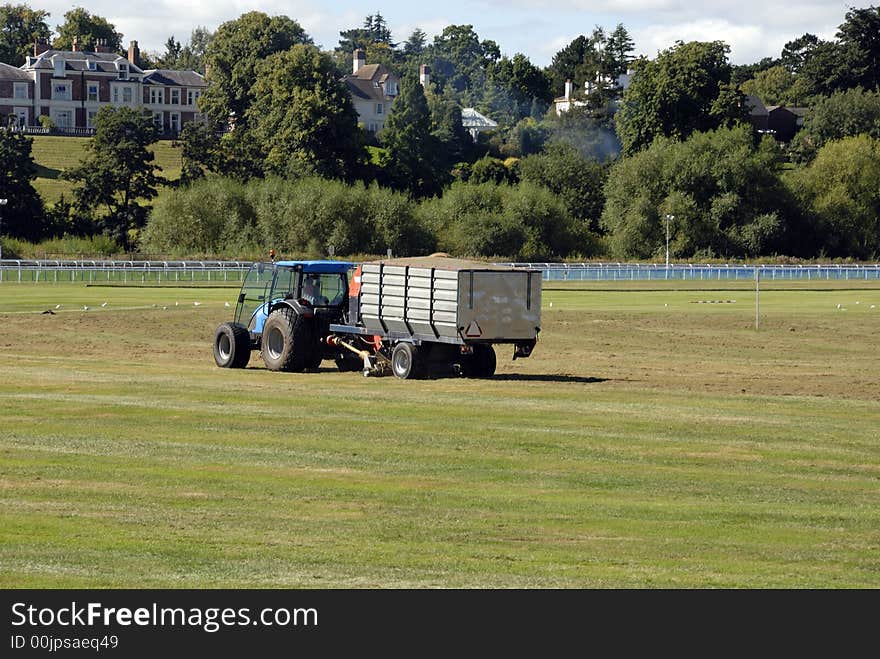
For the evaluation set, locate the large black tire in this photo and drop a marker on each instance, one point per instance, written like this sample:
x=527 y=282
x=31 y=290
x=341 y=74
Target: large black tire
x=487 y=360
x=406 y=361
x=348 y=362
x=481 y=363
x=288 y=342
x=232 y=346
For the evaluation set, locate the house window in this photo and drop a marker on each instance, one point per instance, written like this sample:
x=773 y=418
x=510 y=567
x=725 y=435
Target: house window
x=174 y=121
x=62 y=118
x=60 y=91
x=175 y=97
x=90 y=118
x=159 y=119
x=123 y=71
x=391 y=88
x=122 y=94
x=92 y=65
x=157 y=96
x=192 y=96
x=379 y=108
x=20 y=90
x=92 y=91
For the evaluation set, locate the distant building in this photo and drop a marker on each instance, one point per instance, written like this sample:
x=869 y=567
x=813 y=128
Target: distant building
x=475 y=123
x=568 y=100
x=71 y=86
x=777 y=120
x=373 y=89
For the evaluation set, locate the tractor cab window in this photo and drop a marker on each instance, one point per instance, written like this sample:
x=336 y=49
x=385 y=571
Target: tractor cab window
x=285 y=282
x=323 y=290
x=253 y=292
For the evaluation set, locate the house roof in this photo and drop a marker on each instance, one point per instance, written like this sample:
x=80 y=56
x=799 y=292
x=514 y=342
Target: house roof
x=368 y=83
x=8 y=72
x=79 y=61
x=756 y=106
x=174 y=78
x=470 y=118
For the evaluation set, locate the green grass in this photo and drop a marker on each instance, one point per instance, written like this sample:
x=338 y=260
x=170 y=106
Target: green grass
x=651 y=441
x=54 y=154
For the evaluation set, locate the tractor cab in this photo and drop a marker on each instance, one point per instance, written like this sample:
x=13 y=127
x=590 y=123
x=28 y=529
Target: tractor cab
x=311 y=287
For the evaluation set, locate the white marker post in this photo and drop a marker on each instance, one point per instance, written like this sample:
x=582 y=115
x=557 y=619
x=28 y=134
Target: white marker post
x=757 y=296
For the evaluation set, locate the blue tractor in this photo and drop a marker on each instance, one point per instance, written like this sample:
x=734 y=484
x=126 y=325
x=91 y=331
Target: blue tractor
x=285 y=310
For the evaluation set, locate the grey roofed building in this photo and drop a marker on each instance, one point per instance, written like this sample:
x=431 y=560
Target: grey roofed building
x=9 y=72
x=71 y=86
x=174 y=78
x=475 y=123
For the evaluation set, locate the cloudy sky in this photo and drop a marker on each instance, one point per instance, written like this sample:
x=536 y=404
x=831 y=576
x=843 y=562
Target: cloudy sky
x=537 y=28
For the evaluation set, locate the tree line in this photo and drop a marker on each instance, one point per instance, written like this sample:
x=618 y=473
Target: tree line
x=596 y=181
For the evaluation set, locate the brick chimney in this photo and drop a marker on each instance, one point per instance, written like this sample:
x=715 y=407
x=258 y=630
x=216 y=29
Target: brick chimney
x=569 y=87
x=360 y=59
x=134 y=53
x=425 y=75
x=75 y=44
x=40 y=47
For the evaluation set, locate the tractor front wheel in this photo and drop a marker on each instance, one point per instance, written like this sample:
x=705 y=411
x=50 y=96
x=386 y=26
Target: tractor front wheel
x=232 y=346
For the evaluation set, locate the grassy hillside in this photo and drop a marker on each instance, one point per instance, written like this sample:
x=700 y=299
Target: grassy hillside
x=55 y=154
x=652 y=440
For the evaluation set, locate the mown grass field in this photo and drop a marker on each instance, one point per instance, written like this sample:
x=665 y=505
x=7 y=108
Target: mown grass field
x=654 y=439
x=54 y=154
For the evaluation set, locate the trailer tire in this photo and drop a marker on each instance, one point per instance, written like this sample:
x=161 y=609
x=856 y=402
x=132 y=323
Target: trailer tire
x=482 y=362
x=232 y=346
x=406 y=361
x=288 y=342
x=348 y=362
x=487 y=361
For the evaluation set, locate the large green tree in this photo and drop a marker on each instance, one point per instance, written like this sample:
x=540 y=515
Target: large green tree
x=843 y=114
x=233 y=55
x=723 y=193
x=859 y=35
x=774 y=86
x=374 y=30
x=22 y=216
x=303 y=117
x=88 y=29
x=118 y=171
x=840 y=191
x=520 y=85
x=459 y=59
x=21 y=27
x=412 y=159
x=575 y=180
x=685 y=89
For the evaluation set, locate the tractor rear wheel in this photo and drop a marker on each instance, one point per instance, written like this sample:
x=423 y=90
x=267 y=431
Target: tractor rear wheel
x=232 y=346
x=288 y=341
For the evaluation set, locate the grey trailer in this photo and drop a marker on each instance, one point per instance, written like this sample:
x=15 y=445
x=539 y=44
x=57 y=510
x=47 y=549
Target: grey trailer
x=428 y=312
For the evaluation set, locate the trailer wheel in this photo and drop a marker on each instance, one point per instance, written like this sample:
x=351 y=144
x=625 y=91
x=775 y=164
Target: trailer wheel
x=486 y=360
x=348 y=362
x=232 y=346
x=406 y=361
x=482 y=362
x=288 y=342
